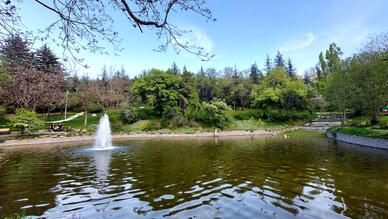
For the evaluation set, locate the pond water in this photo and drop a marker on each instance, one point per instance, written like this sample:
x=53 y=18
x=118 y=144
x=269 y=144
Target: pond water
x=197 y=178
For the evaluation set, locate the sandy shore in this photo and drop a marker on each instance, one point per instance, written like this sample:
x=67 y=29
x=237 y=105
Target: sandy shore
x=90 y=139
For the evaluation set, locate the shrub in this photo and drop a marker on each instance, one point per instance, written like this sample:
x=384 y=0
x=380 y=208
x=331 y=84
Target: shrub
x=173 y=118
x=216 y=114
x=3 y=110
x=25 y=120
x=115 y=119
x=2 y=140
x=247 y=114
x=95 y=108
x=383 y=122
x=145 y=112
x=151 y=125
x=129 y=115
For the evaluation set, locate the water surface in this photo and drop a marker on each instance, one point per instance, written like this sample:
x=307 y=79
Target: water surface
x=197 y=178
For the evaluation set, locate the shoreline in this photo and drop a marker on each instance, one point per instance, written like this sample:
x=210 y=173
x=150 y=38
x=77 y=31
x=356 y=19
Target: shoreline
x=119 y=137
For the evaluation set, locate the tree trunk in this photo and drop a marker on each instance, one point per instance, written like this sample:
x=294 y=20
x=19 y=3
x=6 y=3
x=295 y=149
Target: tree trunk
x=375 y=117
x=86 y=118
x=48 y=113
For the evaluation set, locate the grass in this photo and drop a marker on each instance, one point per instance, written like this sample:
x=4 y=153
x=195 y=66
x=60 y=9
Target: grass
x=358 y=131
x=77 y=123
x=305 y=134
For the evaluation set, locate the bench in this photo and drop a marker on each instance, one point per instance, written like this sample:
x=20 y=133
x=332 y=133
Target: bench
x=4 y=131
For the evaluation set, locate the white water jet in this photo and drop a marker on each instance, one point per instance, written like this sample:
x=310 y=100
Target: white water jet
x=103 y=136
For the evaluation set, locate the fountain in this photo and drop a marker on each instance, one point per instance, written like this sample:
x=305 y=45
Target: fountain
x=103 y=136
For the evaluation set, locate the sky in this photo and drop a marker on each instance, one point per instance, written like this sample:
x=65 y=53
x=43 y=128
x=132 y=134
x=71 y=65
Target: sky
x=245 y=31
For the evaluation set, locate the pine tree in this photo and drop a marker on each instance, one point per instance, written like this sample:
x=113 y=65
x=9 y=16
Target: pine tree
x=47 y=61
x=174 y=68
x=16 y=52
x=268 y=64
x=254 y=74
x=290 y=69
x=279 y=60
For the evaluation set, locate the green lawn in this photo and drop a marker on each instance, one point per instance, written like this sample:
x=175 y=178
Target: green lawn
x=360 y=131
x=304 y=133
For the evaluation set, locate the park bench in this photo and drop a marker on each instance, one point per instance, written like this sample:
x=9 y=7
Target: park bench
x=5 y=131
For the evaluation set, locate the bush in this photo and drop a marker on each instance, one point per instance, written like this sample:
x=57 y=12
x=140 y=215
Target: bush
x=151 y=125
x=3 y=110
x=145 y=112
x=279 y=115
x=129 y=115
x=2 y=140
x=383 y=122
x=247 y=114
x=26 y=121
x=115 y=119
x=173 y=118
x=216 y=114
x=95 y=108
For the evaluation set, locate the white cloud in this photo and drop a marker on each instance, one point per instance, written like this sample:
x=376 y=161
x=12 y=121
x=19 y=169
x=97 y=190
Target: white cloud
x=197 y=37
x=293 y=45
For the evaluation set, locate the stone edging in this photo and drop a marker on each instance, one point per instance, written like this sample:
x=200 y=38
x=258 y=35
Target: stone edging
x=359 y=140
x=90 y=139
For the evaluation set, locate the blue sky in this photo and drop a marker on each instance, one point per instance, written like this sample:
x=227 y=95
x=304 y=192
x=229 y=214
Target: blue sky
x=245 y=31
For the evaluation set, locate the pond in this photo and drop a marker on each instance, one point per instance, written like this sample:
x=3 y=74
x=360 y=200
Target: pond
x=273 y=177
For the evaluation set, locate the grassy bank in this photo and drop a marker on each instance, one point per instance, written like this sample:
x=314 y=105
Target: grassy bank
x=305 y=134
x=360 y=131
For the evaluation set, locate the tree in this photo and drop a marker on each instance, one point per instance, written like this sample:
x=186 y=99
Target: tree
x=290 y=69
x=53 y=74
x=216 y=113
x=255 y=74
x=36 y=80
x=338 y=89
x=174 y=68
x=279 y=60
x=83 y=25
x=368 y=77
x=268 y=64
x=158 y=88
x=26 y=121
x=277 y=91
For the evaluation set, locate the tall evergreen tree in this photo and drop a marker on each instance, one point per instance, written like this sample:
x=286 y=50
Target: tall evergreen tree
x=290 y=69
x=279 y=60
x=268 y=64
x=174 y=68
x=254 y=74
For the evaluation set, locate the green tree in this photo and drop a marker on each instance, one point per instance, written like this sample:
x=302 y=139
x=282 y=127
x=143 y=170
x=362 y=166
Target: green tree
x=216 y=114
x=277 y=91
x=368 y=77
x=279 y=60
x=159 y=88
x=26 y=121
x=338 y=89
x=267 y=64
x=290 y=69
x=254 y=74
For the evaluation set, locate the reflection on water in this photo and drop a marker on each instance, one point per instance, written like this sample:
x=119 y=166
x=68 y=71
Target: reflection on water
x=203 y=178
x=102 y=161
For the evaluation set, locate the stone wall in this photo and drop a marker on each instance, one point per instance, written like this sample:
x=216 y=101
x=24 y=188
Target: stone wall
x=359 y=140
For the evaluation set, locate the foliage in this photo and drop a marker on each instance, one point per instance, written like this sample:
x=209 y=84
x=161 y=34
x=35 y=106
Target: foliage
x=247 y=114
x=2 y=140
x=26 y=121
x=216 y=114
x=129 y=115
x=95 y=108
x=277 y=90
x=145 y=112
x=151 y=125
x=158 y=88
x=115 y=118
